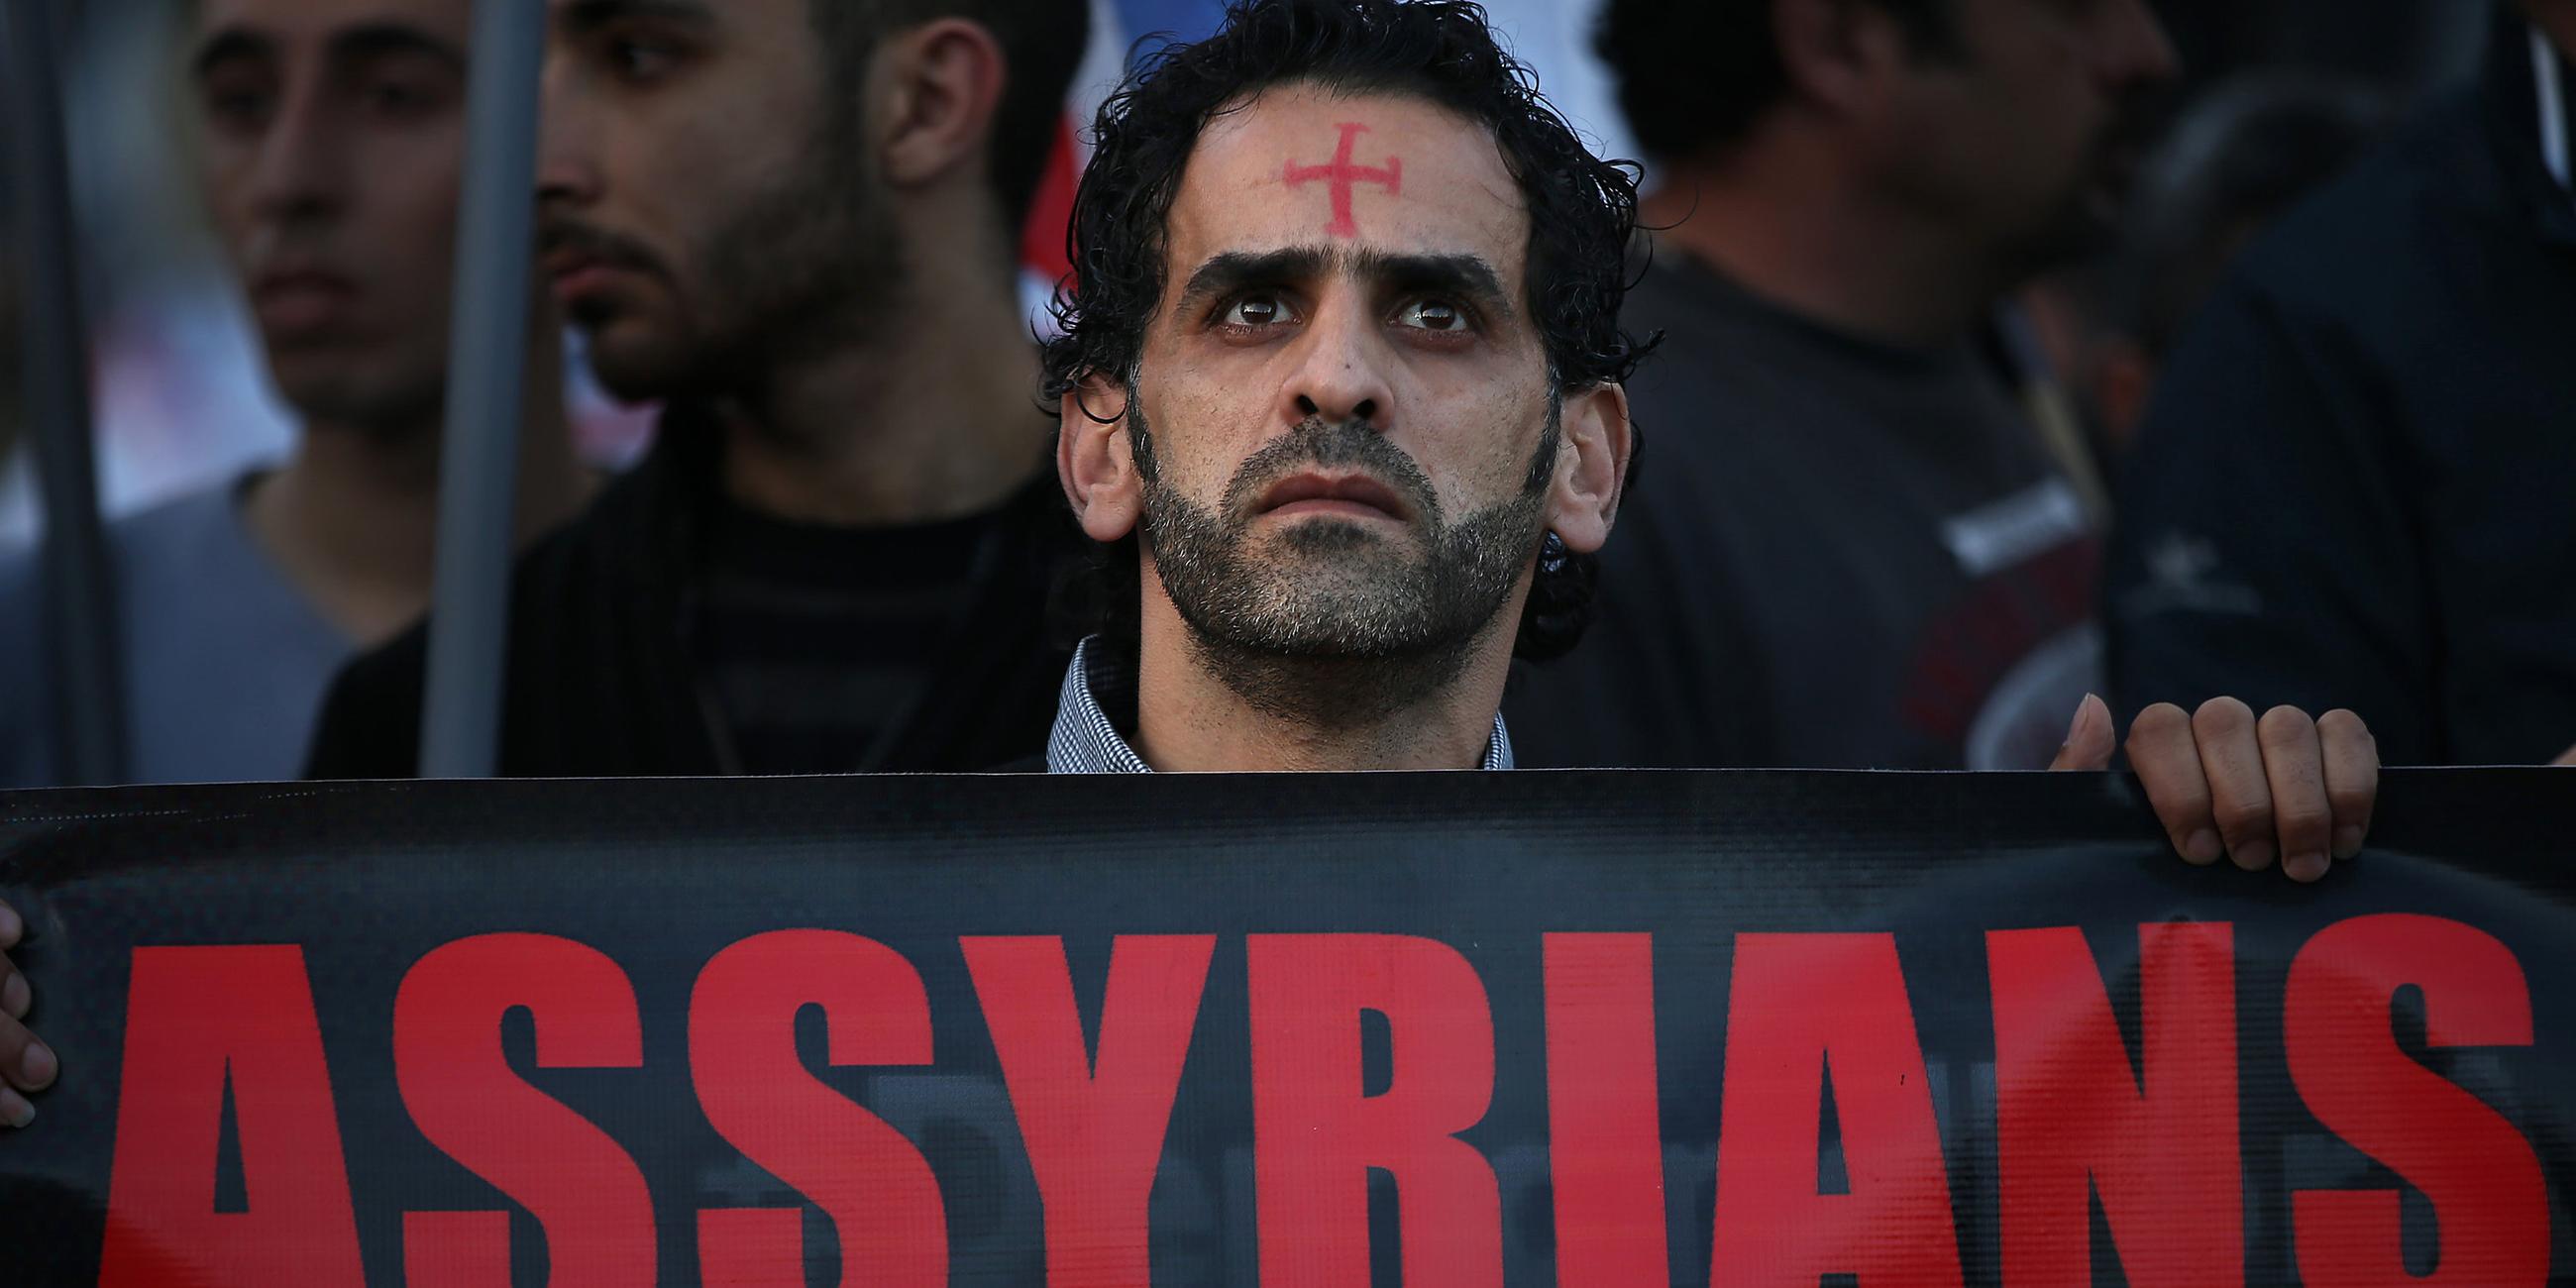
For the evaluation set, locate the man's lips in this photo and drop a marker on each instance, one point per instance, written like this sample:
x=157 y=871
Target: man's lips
x=1351 y=495
x=295 y=301
x=577 y=274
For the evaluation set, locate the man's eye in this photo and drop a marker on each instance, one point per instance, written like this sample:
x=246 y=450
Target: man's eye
x=1254 y=310
x=1432 y=315
x=640 y=60
x=238 y=107
x=399 y=99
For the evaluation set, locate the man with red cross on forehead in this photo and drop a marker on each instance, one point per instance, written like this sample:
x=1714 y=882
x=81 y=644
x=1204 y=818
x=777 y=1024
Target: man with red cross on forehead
x=1340 y=389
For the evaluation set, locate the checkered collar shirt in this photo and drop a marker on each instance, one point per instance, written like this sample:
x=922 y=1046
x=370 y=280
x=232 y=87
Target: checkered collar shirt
x=1086 y=742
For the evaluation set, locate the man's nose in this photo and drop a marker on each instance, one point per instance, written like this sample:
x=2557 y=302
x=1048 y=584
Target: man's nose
x=302 y=170
x=1339 y=371
x=567 y=164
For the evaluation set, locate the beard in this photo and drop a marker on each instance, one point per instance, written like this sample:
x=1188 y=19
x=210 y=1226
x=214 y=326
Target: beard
x=2090 y=218
x=802 y=269
x=1331 y=621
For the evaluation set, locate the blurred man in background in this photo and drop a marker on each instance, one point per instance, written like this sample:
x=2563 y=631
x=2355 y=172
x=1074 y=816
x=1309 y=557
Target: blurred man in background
x=331 y=154
x=2353 y=486
x=1851 y=544
x=798 y=221
x=2235 y=161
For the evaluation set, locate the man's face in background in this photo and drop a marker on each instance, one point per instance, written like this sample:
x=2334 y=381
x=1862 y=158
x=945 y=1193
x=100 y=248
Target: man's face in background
x=1342 y=417
x=706 y=200
x=2026 y=128
x=333 y=136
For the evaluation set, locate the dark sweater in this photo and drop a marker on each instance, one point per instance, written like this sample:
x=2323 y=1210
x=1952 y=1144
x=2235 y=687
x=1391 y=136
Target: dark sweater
x=609 y=675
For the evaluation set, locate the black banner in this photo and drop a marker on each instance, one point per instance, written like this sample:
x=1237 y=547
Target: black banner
x=1525 y=1028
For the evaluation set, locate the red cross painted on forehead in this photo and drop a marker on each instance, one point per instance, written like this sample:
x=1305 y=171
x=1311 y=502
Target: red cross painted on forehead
x=1344 y=176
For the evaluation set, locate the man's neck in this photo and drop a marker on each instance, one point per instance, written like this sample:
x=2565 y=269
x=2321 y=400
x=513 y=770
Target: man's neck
x=1796 y=231
x=352 y=518
x=932 y=418
x=1189 y=719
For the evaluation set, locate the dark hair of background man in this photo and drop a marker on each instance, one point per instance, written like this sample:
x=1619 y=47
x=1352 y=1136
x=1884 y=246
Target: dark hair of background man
x=1693 y=74
x=1582 y=211
x=2234 y=161
x=1033 y=34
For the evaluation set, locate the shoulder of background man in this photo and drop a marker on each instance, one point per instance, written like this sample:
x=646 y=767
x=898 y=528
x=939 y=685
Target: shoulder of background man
x=2396 y=250
x=192 y=587
x=559 y=590
x=370 y=721
x=994 y=697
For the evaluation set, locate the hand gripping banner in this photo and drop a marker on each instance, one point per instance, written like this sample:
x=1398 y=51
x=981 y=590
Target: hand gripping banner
x=1468 y=1029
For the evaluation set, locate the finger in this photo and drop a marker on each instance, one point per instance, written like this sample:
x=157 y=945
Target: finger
x=12 y=926
x=14 y=1109
x=25 y=1062
x=2294 y=770
x=2168 y=766
x=2568 y=759
x=2240 y=798
x=15 y=996
x=2352 y=778
x=2088 y=739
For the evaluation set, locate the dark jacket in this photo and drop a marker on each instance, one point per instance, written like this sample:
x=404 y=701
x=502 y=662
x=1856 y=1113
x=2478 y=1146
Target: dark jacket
x=601 y=682
x=2357 y=484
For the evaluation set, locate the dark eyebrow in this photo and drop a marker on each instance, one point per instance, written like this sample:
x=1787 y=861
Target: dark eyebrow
x=1235 y=270
x=232 y=44
x=385 y=40
x=1466 y=276
x=590 y=15
x=357 y=44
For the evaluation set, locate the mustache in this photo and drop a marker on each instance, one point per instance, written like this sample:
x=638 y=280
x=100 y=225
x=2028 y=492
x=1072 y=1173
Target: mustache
x=1319 y=443
x=557 y=234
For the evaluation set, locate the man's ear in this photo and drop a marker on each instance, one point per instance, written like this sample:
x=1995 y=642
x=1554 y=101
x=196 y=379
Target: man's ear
x=1837 y=54
x=1095 y=459
x=941 y=83
x=1591 y=467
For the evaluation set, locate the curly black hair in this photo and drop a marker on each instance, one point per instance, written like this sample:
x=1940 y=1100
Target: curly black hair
x=1583 y=210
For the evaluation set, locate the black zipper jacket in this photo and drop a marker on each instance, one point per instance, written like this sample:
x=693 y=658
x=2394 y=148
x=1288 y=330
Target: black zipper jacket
x=2357 y=484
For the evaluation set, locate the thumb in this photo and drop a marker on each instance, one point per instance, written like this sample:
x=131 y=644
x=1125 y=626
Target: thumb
x=2088 y=739
x=2569 y=759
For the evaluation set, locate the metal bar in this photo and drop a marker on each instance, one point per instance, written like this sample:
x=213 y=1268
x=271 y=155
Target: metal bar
x=79 y=600
x=487 y=353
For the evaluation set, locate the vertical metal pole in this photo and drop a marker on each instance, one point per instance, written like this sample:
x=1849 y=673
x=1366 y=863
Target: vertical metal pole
x=79 y=583
x=487 y=353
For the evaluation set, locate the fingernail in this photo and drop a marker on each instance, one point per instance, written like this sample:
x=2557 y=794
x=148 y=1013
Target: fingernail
x=2347 y=841
x=10 y=926
x=37 y=1065
x=2203 y=847
x=21 y=1113
x=2304 y=867
x=14 y=997
x=2254 y=856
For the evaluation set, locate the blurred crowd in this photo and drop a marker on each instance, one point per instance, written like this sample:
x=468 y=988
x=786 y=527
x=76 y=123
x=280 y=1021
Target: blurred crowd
x=2010 y=350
